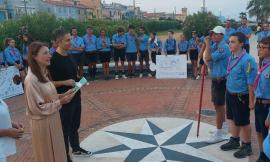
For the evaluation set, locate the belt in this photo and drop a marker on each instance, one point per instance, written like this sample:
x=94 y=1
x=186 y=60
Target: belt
x=219 y=79
x=262 y=101
x=237 y=94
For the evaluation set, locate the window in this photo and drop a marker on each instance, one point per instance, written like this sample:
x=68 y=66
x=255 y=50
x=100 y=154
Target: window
x=59 y=9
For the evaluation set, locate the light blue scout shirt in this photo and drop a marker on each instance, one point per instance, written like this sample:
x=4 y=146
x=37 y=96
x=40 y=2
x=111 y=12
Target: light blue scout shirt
x=131 y=43
x=263 y=34
x=76 y=42
x=119 y=39
x=90 y=43
x=192 y=43
x=183 y=45
x=101 y=41
x=12 y=55
x=143 y=41
x=220 y=54
x=228 y=32
x=263 y=88
x=242 y=75
x=155 y=44
x=170 y=45
x=245 y=30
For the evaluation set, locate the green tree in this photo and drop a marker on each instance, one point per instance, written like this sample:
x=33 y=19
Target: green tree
x=259 y=9
x=242 y=15
x=200 y=22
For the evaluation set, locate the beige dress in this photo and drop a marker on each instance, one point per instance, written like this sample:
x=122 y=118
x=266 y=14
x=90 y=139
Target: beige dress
x=43 y=111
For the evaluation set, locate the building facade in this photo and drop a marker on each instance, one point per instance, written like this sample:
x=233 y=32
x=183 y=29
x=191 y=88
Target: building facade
x=66 y=9
x=3 y=10
x=17 y=8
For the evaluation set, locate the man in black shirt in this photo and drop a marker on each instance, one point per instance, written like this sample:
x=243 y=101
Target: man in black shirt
x=63 y=71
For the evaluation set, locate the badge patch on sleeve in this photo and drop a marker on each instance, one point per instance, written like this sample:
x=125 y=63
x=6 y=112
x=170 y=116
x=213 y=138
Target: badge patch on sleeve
x=267 y=75
x=221 y=50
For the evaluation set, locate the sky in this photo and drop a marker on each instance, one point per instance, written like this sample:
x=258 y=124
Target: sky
x=228 y=8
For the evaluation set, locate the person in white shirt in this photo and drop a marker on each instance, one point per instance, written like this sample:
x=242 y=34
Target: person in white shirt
x=9 y=131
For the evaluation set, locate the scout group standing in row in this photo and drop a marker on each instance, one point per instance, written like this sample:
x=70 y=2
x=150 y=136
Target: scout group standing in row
x=53 y=106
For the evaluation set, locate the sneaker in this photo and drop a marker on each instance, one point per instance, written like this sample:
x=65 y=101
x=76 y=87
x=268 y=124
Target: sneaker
x=245 y=150
x=198 y=77
x=149 y=75
x=124 y=76
x=82 y=152
x=231 y=145
x=216 y=137
x=141 y=75
x=116 y=77
x=263 y=158
x=225 y=129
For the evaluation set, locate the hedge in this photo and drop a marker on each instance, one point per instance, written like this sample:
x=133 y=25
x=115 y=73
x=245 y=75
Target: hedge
x=41 y=26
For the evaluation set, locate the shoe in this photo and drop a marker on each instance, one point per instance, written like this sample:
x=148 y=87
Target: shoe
x=68 y=159
x=124 y=76
x=225 y=129
x=245 y=150
x=231 y=145
x=116 y=77
x=198 y=77
x=216 y=137
x=82 y=152
x=263 y=158
x=141 y=75
x=149 y=75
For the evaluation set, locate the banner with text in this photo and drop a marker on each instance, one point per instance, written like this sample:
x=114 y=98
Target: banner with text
x=171 y=67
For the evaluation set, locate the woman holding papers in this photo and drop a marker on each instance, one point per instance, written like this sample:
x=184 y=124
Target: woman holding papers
x=43 y=107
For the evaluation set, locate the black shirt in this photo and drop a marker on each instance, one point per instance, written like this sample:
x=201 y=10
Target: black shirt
x=63 y=68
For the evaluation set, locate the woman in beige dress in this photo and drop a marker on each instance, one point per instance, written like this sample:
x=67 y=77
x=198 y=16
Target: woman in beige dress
x=43 y=107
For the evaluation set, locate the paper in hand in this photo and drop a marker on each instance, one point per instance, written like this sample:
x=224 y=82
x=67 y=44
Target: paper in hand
x=80 y=84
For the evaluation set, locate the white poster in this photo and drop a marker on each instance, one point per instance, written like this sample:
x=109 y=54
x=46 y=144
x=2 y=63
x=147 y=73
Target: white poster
x=8 y=86
x=171 y=67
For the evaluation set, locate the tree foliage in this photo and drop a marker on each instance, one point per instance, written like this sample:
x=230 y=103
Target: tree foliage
x=200 y=22
x=259 y=9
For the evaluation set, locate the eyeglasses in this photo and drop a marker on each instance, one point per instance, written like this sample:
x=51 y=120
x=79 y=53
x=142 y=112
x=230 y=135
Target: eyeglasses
x=261 y=47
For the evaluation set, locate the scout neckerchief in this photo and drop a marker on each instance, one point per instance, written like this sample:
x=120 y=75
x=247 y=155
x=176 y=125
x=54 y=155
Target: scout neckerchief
x=229 y=68
x=258 y=77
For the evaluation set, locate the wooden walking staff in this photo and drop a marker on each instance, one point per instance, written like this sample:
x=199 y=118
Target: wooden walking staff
x=201 y=98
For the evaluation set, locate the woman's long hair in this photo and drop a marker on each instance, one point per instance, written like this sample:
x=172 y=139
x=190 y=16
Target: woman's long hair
x=34 y=48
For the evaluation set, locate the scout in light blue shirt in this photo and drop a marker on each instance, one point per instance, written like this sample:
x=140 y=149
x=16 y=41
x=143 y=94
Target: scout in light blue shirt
x=170 y=45
x=245 y=29
x=104 y=41
x=90 y=41
x=228 y=31
x=220 y=54
x=119 y=39
x=12 y=55
x=183 y=46
x=264 y=33
x=143 y=41
x=76 y=42
x=131 y=43
x=193 y=43
x=242 y=75
x=263 y=87
x=156 y=45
